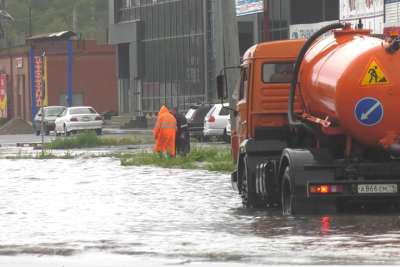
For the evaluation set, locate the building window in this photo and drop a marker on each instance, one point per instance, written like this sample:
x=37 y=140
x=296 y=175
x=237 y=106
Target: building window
x=277 y=26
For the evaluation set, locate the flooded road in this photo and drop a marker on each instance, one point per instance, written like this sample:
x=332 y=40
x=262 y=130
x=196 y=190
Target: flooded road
x=68 y=210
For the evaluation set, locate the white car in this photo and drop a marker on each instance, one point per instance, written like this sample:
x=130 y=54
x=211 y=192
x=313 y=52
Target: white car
x=75 y=119
x=216 y=120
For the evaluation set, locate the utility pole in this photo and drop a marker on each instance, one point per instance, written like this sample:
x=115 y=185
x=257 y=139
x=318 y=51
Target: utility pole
x=231 y=54
x=75 y=17
x=42 y=96
x=30 y=20
x=230 y=41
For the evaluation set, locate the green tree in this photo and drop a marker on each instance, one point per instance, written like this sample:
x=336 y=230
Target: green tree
x=91 y=18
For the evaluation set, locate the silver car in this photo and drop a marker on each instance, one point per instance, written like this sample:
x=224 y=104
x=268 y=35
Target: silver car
x=50 y=115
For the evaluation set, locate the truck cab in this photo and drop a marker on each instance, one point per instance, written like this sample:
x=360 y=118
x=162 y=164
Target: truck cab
x=262 y=92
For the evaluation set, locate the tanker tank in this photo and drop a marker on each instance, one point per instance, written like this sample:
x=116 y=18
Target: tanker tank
x=352 y=80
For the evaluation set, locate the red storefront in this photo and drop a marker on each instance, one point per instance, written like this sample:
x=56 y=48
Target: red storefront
x=92 y=75
x=85 y=71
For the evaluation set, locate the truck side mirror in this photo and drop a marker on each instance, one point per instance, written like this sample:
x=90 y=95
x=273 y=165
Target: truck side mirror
x=221 y=87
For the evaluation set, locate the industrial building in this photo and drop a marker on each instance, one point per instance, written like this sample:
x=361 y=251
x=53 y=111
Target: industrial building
x=293 y=19
x=169 y=52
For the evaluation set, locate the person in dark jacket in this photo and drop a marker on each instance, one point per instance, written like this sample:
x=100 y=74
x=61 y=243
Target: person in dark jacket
x=182 y=140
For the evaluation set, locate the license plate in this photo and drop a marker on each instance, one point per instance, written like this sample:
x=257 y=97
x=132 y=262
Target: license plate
x=85 y=119
x=376 y=188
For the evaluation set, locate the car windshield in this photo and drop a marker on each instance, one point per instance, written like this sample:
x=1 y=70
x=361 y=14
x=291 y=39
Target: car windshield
x=54 y=111
x=82 y=111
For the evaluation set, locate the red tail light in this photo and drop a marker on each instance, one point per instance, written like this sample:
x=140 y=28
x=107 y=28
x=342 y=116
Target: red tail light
x=211 y=119
x=326 y=188
x=98 y=118
x=73 y=119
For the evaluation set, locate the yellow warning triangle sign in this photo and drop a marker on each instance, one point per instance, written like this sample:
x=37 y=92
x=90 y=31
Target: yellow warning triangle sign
x=374 y=75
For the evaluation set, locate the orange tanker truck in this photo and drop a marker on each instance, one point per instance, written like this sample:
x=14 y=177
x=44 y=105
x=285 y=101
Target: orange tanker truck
x=316 y=126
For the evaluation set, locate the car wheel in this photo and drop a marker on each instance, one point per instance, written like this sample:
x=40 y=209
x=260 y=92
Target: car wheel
x=66 y=133
x=47 y=132
x=226 y=138
x=37 y=133
x=98 y=131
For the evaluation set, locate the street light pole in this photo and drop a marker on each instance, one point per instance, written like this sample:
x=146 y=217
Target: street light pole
x=42 y=97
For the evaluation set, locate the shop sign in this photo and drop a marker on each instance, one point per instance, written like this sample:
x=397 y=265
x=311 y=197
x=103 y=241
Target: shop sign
x=246 y=7
x=304 y=31
x=371 y=13
x=3 y=95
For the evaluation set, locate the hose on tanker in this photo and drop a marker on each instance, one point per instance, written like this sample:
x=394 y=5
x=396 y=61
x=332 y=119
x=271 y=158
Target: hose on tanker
x=291 y=116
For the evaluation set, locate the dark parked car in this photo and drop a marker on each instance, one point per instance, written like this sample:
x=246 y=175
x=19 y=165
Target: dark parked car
x=50 y=115
x=195 y=117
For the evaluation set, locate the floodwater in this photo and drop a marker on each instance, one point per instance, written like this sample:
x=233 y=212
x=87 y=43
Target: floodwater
x=92 y=210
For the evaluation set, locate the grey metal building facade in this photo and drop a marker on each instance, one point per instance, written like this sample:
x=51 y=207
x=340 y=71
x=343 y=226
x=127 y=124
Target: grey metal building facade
x=169 y=52
x=280 y=14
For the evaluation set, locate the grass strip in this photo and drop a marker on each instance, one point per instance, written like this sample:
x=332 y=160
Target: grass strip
x=90 y=139
x=211 y=159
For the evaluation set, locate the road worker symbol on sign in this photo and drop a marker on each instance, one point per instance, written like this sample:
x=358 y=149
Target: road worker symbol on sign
x=374 y=75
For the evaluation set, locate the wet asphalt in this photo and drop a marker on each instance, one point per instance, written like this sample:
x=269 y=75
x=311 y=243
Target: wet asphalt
x=68 y=212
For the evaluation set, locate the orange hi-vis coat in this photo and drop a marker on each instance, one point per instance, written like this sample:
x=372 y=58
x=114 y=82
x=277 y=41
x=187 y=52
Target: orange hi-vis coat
x=164 y=132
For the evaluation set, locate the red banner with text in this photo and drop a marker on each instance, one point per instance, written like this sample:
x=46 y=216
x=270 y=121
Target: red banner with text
x=41 y=80
x=3 y=95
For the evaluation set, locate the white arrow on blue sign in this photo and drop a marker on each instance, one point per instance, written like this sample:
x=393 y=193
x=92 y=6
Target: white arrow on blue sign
x=369 y=111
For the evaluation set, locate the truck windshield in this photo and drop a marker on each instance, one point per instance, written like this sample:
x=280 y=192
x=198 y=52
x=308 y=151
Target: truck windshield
x=277 y=72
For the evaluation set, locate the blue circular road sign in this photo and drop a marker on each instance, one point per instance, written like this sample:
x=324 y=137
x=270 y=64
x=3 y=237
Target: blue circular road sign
x=368 y=111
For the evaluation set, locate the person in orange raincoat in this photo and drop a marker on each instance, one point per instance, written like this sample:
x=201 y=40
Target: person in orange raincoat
x=164 y=133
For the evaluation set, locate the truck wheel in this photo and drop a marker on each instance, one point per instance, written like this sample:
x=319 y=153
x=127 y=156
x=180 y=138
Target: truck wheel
x=249 y=195
x=287 y=193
